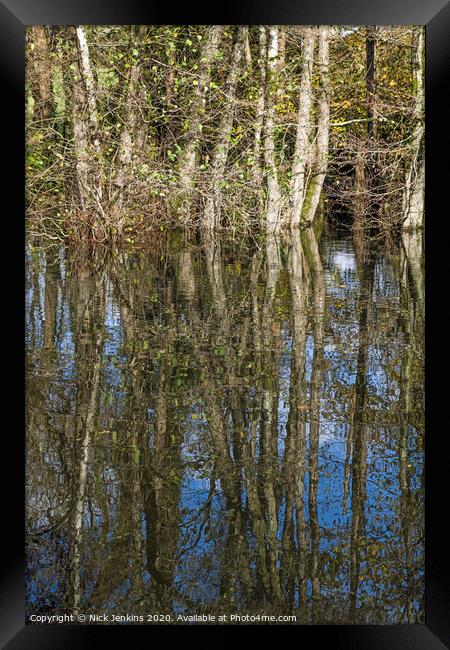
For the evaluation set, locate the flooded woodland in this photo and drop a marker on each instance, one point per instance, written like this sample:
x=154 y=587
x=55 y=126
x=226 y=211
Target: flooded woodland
x=224 y=319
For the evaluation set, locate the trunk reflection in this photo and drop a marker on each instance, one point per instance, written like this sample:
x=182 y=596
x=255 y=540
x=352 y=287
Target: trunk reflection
x=214 y=428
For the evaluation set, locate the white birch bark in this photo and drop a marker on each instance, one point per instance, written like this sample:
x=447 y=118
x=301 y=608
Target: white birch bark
x=90 y=96
x=414 y=195
x=211 y=217
x=42 y=64
x=257 y=175
x=80 y=142
x=302 y=142
x=273 y=188
x=128 y=134
x=320 y=163
x=89 y=83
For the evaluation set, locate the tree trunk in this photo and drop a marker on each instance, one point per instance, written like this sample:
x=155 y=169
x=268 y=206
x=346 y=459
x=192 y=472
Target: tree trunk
x=89 y=85
x=59 y=99
x=127 y=143
x=361 y=185
x=42 y=67
x=171 y=68
x=302 y=145
x=273 y=188
x=281 y=60
x=320 y=164
x=86 y=100
x=259 y=120
x=371 y=162
x=211 y=217
x=188 y=158
x=414 y=195
x=248 y=53
x=80 y=142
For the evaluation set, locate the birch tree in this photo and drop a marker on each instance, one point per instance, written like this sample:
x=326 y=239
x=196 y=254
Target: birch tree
x=260 y=106
x=281 y=61
x=131 y=113
x=88 y=80
x=42 y=64
x=273 y=188
x=302 y=141
x=211 y=216
x=188 y=160
x=414 y=194
x=86 y=131
x=80 y=141
x=320 y=163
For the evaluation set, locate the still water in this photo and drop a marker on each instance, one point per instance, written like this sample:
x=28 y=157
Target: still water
x=224 y=429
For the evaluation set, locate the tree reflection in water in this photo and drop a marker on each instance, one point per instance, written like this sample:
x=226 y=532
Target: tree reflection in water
x=220 y=428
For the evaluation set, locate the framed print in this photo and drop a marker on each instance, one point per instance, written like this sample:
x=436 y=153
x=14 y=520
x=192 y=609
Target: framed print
x=231 y=237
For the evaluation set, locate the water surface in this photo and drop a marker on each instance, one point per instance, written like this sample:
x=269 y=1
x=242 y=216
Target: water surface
x=226 y=429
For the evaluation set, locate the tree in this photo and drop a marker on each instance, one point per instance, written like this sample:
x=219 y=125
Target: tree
x=413 y=200
x=130 y=122
x=260 y=109
x=302 y=141
x=319 y=163
x=187 y=163
x=273 y=189
x=211 y=217
x=86 y=132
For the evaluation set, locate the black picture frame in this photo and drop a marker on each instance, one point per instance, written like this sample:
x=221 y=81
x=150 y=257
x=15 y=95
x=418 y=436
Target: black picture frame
x=435 y=14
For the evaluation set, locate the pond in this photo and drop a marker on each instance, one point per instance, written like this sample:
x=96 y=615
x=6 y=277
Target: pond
x=226 y=429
